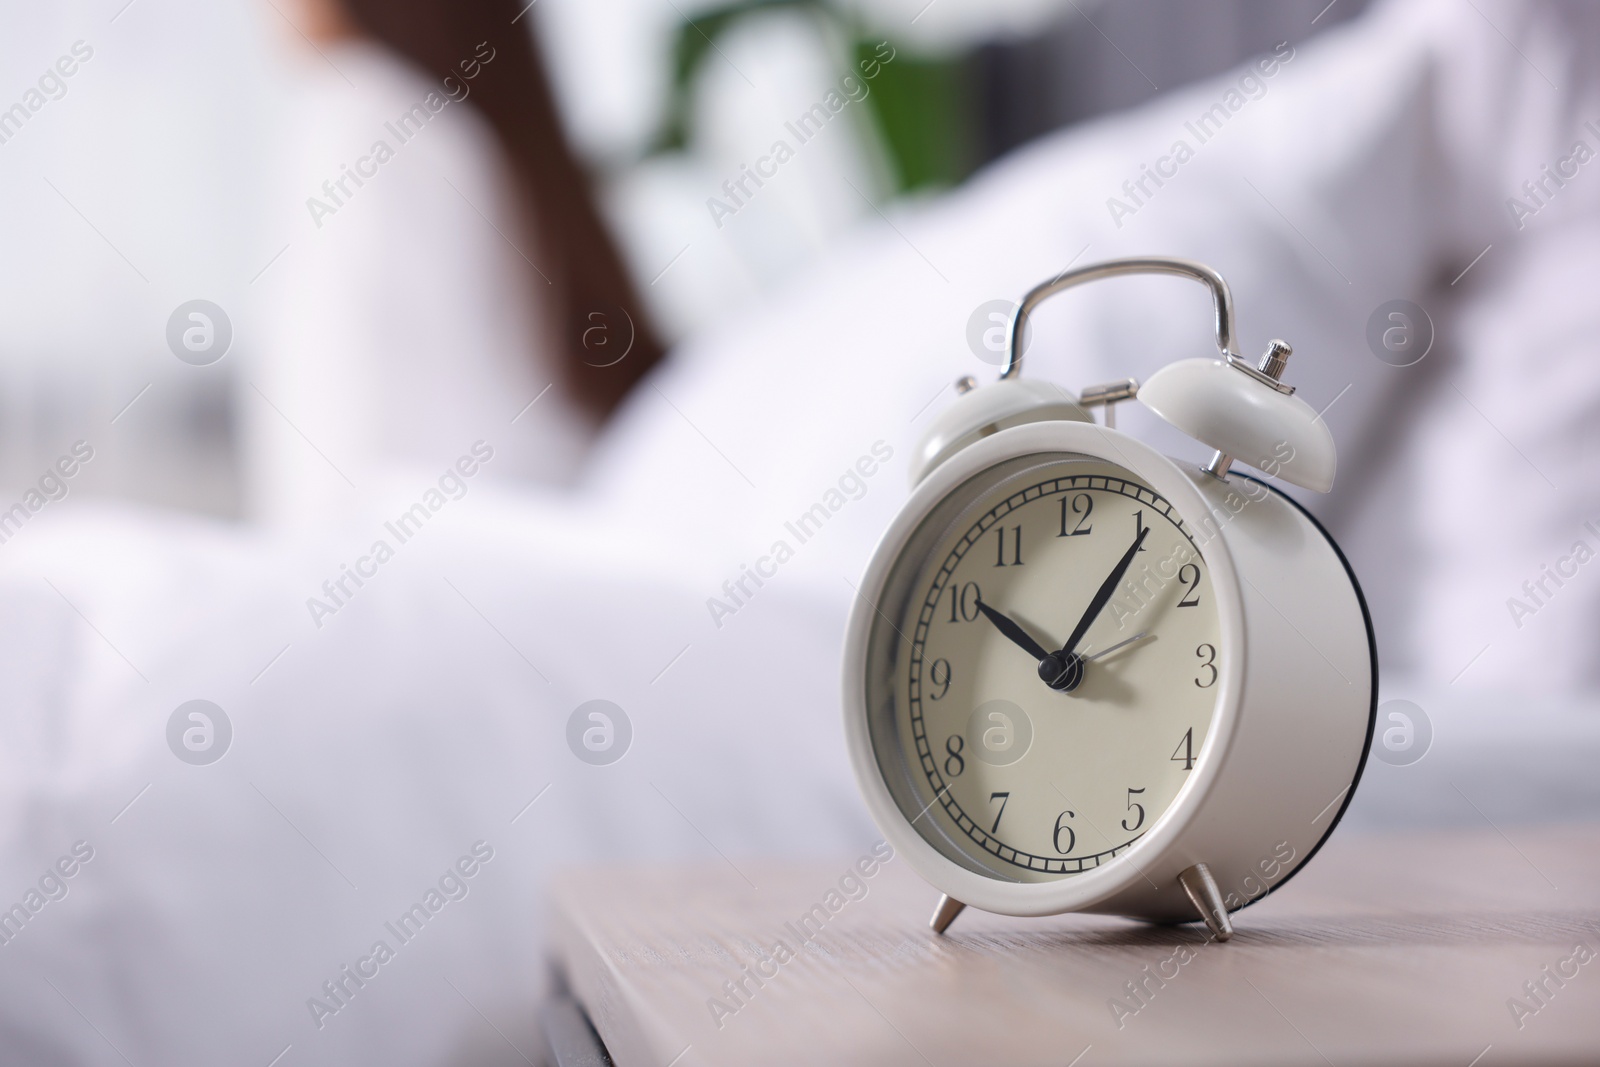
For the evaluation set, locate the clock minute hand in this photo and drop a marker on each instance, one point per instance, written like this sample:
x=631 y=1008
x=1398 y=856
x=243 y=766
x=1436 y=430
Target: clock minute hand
x=1016 y=633
x=1063 y=670
x=1102 y=595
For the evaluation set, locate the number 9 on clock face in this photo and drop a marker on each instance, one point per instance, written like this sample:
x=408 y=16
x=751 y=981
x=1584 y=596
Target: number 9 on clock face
x=1044 y=668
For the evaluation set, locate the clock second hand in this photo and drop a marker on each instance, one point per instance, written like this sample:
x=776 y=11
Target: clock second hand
x=1120 y=644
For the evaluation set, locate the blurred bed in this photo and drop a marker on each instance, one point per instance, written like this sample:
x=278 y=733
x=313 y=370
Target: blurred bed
x=423 y=714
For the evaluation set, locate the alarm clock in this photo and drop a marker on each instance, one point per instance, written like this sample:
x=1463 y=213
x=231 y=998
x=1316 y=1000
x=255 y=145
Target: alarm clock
x=1084 y=676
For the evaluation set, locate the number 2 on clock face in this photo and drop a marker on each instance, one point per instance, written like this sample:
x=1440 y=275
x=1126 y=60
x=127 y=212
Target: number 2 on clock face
x=1061 y=676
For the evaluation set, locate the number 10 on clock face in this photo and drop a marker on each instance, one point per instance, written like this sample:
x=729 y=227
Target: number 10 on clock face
x=1056 y=654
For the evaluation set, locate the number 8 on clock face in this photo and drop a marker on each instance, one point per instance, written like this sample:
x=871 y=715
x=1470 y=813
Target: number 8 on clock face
x=1036 y=760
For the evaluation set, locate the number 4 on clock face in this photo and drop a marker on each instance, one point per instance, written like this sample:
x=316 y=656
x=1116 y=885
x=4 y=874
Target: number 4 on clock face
x=1184 y=753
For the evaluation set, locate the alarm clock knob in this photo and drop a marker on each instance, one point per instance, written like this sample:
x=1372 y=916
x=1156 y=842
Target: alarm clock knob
x=1277 y=357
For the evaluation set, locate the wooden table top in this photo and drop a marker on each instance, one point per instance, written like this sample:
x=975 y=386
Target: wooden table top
x=1454 y=948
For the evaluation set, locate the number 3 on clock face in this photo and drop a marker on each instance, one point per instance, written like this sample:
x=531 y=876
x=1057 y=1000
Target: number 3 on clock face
x=1060 y=667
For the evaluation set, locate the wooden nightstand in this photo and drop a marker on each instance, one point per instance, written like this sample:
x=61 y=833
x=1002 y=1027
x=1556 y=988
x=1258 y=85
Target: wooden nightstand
x=1450 y=948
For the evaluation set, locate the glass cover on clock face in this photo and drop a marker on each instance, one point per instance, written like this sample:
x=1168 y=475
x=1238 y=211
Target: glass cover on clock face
x=1043 y=667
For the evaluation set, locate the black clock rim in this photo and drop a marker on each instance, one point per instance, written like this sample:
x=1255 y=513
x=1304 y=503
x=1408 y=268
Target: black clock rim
x=1372 y=711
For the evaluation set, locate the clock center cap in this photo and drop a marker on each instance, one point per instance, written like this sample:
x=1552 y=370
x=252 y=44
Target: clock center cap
x=1062 y=671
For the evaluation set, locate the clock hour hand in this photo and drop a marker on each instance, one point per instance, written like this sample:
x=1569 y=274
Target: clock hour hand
x=1016 y=633
x=1063 y=670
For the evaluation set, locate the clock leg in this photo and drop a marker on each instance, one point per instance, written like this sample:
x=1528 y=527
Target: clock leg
x=945 y=914
x=1207 y=899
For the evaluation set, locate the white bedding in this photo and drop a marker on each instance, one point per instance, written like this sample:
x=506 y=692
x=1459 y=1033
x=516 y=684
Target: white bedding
x=365 y=761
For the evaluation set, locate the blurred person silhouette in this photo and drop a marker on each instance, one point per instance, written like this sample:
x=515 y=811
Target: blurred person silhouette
x=448 y=277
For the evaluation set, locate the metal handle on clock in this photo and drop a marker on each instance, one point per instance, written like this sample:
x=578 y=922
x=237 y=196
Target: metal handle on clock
x=1112 y=268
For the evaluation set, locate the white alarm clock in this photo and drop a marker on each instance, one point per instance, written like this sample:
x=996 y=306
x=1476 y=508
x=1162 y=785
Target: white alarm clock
x=1083 y=676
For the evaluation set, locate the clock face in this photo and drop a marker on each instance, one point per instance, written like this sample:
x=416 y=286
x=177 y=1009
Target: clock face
x=1044 y=668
